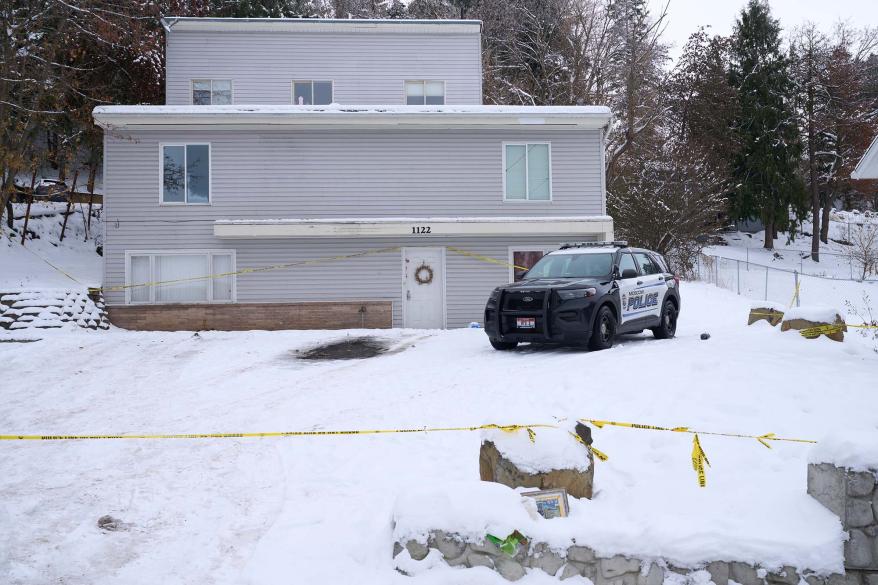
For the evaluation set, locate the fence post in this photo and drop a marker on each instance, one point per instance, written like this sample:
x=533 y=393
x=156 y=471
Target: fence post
x=796 y=290
x=739 y=275
x=766 y=283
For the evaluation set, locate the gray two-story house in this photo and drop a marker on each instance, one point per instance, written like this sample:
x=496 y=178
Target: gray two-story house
x=335 y=173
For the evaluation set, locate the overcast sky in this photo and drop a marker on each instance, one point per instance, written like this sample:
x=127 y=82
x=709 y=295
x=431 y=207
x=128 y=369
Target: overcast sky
x=685 y=16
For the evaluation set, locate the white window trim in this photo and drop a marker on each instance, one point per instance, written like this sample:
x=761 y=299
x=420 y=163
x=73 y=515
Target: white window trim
x=527 y=199
x=192 y=89
x=162 y=201
x=535 y=248
x=311 y=81
x=423 y=82
x=153 y=253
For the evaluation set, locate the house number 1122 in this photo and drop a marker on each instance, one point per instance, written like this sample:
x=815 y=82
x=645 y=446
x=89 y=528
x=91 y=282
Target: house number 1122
x=421 y=229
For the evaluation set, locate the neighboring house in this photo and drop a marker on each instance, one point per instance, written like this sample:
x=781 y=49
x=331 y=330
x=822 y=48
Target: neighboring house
x=867 y=168
x=405 y=172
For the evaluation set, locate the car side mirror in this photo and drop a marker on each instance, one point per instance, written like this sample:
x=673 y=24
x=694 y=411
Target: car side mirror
x=629 y=273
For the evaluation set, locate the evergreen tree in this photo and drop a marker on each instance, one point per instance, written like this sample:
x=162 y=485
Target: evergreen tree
x=766 y=181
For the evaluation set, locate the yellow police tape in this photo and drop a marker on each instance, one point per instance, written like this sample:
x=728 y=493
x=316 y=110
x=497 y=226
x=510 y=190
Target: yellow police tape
x=699 y=458
x=304 y=263
x=505 y=428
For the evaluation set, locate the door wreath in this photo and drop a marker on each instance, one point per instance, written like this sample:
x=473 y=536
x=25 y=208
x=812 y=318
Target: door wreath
x=424 y=274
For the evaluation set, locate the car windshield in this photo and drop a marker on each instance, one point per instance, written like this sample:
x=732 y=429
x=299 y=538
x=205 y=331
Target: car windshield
x=588 y=265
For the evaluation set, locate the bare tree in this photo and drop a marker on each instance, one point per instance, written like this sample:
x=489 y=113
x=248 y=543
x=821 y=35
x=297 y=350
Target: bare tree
x=864 y=248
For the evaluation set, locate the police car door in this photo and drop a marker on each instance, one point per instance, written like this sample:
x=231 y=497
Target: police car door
x=627 y=286
x=653 y=285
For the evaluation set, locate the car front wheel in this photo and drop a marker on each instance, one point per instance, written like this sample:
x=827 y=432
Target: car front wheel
x=503 y=345
x=604 y=329
x=668 y=326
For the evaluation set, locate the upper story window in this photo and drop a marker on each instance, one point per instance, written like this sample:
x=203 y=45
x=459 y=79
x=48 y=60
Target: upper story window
x=307 y=93
x=424 y=93
x=206 y=92
x=527 y=171
x=185 y=173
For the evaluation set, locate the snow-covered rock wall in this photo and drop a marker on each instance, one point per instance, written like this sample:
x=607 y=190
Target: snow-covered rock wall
x=51 y=309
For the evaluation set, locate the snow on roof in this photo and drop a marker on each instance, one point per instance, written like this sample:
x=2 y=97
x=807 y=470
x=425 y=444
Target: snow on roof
x=469 y=115
x=867 y=168
x=184 y=23
x=393 y=220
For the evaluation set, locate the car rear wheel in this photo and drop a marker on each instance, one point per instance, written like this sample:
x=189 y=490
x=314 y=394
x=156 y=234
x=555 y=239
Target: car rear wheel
x=604 y=329
x=503 y=345
x=668 y=326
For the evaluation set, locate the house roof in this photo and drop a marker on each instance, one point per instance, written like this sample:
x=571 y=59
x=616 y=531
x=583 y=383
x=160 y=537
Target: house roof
x=867 y=168
x=343 y=115
x=187 y=23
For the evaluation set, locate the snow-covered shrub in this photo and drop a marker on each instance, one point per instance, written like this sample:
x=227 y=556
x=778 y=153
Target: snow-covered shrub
x=864 y=248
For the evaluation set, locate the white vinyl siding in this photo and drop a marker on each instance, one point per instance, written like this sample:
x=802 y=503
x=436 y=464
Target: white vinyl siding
x=308 y=93
x=185 y=273
x=185 y=172
x=207 y=92
x=425 y=93
x=527 y=171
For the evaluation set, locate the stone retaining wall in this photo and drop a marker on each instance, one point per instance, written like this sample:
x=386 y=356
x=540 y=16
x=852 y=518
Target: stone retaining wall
x=583 y=561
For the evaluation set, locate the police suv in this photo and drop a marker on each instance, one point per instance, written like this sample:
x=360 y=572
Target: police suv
x=586 y=294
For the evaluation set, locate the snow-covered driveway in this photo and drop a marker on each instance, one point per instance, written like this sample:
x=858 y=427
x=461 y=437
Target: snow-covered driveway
x=317 y=510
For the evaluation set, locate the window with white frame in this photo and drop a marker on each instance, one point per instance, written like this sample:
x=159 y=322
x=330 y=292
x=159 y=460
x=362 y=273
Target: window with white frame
x=424 y=93
x=206 y=92
x=187 y=277
x=307 y=93
x=522 y=259
x=527 y=169
x=185 y=173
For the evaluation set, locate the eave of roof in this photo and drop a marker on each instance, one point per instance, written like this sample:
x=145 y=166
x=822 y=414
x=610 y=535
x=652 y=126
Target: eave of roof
x=188 y=23
x=337 y=115
x=867 y=168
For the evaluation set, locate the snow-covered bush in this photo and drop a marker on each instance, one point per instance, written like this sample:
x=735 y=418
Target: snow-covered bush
x=864 y=248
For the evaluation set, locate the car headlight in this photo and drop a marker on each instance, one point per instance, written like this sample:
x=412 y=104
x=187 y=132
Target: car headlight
x=578 y=293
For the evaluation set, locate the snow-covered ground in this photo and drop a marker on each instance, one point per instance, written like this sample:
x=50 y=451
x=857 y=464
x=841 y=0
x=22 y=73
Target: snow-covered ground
x=318 y=510
x=29 y=265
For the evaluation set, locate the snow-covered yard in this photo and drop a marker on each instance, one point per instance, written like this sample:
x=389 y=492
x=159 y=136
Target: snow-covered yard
x=319 y=510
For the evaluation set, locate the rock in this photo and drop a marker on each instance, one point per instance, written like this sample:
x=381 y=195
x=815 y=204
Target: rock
x=110 y=524
x=417 y=550
x=618 y=565
x=494 y=467
x=719 y=572
x=773 y=316
x=397 y=548
x=508 y=569
x=860 y=483
x=581 y=554
x=654 y=576
x=787 y=576
x=858 y=550
x=849 y=578
x=456 y=562
x=799 y=324
x=475 y=559
x=815 y=580
x=447 y=544
x=705 y=336
x=571 y=569
x=870 y=579
x=826 y=484
x=858 y=513
x=744 y=574
x=547 y=560
x=875 y=503
x=486 y=547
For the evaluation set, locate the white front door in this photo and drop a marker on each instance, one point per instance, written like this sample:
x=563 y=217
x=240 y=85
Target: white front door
x=423 y=288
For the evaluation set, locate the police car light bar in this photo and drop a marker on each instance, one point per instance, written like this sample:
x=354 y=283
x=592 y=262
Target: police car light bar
x=615 y=244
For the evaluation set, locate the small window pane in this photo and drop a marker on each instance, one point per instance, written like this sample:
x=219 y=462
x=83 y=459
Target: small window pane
x=322 y=92
x=414 y=88
x=222 y=85
x=222 y=93
x=198 y=173
x=181 y=267
x=516 y=187
x=139 y=275
x=222 y=287
x=538 y=172
x=201 y=92
x=435 y=88
x=435 y=100
x=302 y=95
x=524 y=259
x=173 y=181
x=647 y=265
